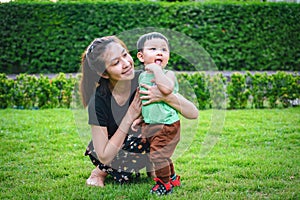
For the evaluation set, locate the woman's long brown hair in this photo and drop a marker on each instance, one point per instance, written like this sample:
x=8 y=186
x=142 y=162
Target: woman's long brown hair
x=93 y=65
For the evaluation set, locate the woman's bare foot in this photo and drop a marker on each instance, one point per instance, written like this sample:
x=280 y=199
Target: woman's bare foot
x=96 y=178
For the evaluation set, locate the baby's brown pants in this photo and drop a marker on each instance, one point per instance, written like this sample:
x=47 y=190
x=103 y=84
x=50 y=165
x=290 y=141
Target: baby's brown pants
x=163 y=139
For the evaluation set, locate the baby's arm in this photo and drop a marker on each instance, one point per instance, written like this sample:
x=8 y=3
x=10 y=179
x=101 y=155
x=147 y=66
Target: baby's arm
x=164 y=81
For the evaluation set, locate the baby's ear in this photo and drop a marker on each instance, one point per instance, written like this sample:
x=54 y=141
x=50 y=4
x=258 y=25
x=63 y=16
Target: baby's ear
x=140 y=56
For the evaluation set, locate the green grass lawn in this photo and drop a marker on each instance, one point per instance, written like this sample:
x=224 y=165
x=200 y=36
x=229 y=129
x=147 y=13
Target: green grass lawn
x=255 y=155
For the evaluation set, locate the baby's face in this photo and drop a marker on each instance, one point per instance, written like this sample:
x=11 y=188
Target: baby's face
x=156 y=51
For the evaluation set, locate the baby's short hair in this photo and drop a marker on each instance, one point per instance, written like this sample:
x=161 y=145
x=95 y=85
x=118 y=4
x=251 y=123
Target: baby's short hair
x=141 y=41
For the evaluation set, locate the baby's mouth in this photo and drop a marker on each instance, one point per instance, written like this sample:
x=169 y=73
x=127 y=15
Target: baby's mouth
x=158 y=61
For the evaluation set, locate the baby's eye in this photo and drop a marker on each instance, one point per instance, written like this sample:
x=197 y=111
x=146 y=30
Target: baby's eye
x=165 y=49
x=153 y=48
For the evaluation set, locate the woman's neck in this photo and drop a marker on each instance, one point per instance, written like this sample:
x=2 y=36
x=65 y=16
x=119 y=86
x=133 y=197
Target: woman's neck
x=121 y=91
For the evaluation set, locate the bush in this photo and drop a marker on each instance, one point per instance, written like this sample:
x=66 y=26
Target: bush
x=5 y=88
x=206 y=91
x=217 y=90
x=24 y=91
x=285 y=88
x=237 y=91
x=30 y=92
x=236 y=36
x=259 y=86
x=258 y=90
x=199 y=82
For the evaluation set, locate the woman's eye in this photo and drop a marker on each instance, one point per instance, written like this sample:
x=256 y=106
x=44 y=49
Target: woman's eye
x=115 y=63
x=125 y=54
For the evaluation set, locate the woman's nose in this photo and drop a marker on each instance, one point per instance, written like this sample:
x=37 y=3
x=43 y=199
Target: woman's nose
x=126 y=62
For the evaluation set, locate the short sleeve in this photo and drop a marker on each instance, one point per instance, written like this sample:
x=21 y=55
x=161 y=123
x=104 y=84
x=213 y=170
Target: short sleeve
x=92 y=112
x=98 y=111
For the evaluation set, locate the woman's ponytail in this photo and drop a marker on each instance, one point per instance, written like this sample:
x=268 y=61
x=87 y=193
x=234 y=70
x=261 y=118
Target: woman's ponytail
x=88 y=82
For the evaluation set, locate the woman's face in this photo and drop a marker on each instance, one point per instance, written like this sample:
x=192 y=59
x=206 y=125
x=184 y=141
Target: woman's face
x=119 y=63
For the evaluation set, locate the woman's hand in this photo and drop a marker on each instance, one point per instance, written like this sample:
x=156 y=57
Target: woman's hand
x=177 y=101
x=135 y=107
x=152 y=94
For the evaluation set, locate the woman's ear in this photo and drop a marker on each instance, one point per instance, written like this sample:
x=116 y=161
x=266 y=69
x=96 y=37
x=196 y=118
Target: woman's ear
x=104 y=75
x=140 y=56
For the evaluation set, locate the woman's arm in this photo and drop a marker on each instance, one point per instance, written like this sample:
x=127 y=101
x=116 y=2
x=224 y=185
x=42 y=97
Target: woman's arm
x=107 y=149
x=182 y=105
x=177 y=101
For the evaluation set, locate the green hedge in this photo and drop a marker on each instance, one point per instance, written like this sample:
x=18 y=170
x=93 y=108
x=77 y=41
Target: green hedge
x=31 y=92
x=49 y=38
x=238 y=91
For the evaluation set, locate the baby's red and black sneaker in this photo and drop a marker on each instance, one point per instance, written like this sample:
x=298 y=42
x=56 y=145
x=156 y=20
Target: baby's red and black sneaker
x=161 y=188
x=175 y=180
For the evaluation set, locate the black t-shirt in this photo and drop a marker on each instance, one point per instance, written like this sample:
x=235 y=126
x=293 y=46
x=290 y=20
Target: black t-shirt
x=104 y=111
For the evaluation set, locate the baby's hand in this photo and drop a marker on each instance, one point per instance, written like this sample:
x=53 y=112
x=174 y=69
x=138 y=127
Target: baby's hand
x=143 y=138
x=152 y=67
x=136 y=124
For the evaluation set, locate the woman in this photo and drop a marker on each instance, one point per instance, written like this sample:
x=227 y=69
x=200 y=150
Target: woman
x=108 y=87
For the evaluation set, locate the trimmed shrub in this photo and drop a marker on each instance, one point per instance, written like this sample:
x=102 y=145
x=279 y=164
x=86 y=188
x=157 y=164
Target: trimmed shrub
x=217 y=90
x=237 y=91
x=5 y=87
x=206 y=91
x=259 y=85
x=50 y=38
x=31 y=92
x=285 y=88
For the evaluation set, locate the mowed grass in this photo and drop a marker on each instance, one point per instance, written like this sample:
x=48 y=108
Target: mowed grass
x=254 y=154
